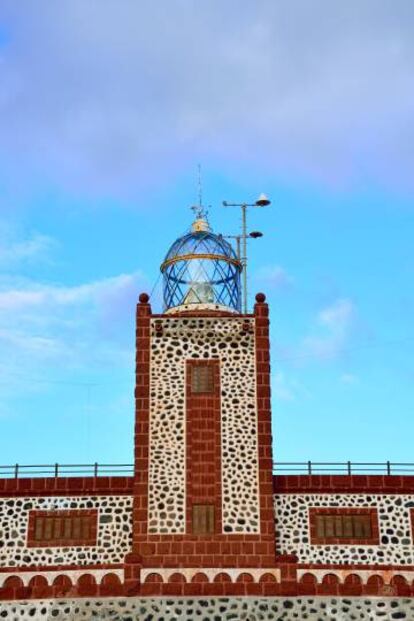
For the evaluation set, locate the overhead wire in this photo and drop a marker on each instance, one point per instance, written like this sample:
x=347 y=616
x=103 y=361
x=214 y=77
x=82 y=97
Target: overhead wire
x=384 y=344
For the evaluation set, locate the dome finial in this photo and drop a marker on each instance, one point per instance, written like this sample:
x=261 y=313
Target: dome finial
x=201 y=213
x=201 y=219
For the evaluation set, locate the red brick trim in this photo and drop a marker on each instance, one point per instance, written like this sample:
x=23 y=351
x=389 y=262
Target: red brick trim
x=200 y=313
x=264 y=428
x=67 y=486
x=85 y=586
x=353 y=586
x=371 y=512
x=142 y=414
x=203 y=445
x=222 y=586
x=111 y=587
x=342 y=484
x=62 y=586
x=91 y=514
x=47 y=568
x=356 y=566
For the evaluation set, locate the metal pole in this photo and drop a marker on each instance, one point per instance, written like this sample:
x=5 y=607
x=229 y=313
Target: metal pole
x=238 y=246
x=244 y=259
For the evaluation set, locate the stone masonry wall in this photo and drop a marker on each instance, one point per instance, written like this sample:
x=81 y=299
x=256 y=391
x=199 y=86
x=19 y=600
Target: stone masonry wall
x=213 y=609
x=231 y=341
x=114 y=534
x=394 y=521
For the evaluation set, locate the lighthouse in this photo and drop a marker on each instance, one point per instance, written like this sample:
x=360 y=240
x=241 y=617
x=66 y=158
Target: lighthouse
x=203 y=450
x=200 y=527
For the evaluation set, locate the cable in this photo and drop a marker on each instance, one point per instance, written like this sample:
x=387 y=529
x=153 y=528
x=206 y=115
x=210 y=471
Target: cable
x=156 y=283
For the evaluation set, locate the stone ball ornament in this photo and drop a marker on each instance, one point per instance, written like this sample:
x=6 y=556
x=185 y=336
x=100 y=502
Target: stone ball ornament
x=260 y=298
x=143 y=298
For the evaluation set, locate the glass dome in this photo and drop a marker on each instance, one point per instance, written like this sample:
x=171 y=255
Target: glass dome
x=201 y=268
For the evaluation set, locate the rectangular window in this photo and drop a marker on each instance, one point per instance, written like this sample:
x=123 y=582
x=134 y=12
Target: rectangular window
x=346 y=526
x=62 y=528
x=203 y=519
x=202 y=378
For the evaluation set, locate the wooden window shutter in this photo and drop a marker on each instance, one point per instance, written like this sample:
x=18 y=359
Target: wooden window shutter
x=62 y=528
x=203 y=519
x=202 y=378
x=343 y=526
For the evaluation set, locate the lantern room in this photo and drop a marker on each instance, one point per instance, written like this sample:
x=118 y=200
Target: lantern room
x=201 y=270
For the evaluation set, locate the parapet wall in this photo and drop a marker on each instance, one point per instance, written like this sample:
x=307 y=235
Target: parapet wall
x=389 y=499
x=66 y=486
x=108 y=500
x=111 y=543
x=393 y=544
x=383 y=566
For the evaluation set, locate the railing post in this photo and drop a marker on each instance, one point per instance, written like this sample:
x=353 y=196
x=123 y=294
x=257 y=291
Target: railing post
x=95 y=469
x=388 y=467
x=56 y=470
x=16 y=471
x=309 y=467
x=349 y=467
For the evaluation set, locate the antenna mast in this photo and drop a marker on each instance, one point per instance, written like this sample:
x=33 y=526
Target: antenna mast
x=201 y=213
x=200 y=187
x=262 y=201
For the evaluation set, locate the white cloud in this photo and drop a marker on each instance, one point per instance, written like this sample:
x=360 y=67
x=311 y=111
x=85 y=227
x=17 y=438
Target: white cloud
x=106 y=95
x=337 y=316
x=330 y=335
x=349 y=379
x=14 y=251
x=281 y=388
x=286 y=387
x=50 y=329
x=52 y=333
x=38 y=294
x=274 y=276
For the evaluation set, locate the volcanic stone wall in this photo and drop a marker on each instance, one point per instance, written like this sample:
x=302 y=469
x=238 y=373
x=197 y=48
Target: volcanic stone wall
x=395 y=526
x=114 y=530
x=212 y=609
x=231 y=341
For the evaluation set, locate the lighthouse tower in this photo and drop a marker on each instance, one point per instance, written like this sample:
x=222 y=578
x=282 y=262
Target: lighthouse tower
x=203 y=495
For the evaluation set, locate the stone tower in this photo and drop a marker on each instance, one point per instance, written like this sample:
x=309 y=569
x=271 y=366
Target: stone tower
x=203 y=449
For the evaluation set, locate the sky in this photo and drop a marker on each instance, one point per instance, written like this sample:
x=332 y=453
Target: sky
x=106 y=110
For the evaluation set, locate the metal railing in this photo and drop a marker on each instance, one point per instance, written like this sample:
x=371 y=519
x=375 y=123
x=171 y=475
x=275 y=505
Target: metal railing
x=347 y=467
x=288 y=467
x=66 y=470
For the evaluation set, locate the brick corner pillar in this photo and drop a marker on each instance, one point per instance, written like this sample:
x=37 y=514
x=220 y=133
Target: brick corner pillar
x=132 y=574
x=264 y=421
x=141 y=444
x=288 y=565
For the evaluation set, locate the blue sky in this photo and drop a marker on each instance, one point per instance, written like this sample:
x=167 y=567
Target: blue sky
x=106 y=109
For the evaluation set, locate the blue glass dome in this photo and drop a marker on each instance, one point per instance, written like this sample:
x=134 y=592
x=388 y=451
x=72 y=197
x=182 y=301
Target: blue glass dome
x=201 y=268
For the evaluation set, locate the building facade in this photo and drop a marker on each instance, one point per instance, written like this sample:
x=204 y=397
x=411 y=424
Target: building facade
x=203 y=528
